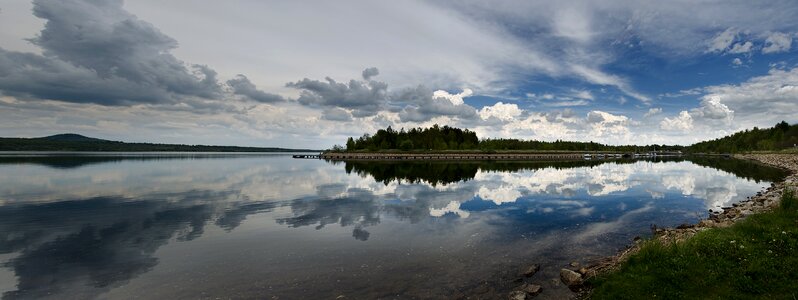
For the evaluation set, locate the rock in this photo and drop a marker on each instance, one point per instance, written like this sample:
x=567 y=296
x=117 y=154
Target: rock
x=684 y=226
x=574 y=264
x=582 y=271
x=517 y=295
x=706 y=223
x=531 y=270
x=531 y=289
x=570 y=278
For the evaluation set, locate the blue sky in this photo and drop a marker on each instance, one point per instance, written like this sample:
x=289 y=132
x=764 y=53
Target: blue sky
x=311 y=73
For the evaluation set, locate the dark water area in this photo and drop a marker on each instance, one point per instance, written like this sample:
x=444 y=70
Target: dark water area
x=204 y=225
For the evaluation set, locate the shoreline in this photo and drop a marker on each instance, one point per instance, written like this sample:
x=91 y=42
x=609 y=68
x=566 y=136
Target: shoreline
x=763 y=201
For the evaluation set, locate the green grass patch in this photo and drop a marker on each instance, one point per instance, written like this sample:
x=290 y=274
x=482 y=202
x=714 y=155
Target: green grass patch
x=755 y=258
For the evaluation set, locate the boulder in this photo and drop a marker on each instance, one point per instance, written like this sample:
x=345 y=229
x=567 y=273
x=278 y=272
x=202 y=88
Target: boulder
x=570 y=278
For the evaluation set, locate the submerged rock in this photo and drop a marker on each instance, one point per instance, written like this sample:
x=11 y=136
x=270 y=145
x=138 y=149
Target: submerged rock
x=531 y=270
x=517 y=295
x=531 y=289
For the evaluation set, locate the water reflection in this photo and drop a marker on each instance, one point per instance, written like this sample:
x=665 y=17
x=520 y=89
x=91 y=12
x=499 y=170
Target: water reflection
x=86 y=246
x=94 y=229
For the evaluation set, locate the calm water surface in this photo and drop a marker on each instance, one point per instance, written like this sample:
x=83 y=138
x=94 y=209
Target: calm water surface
x=269 y=226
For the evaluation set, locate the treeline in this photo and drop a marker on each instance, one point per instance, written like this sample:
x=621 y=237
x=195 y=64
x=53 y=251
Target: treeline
x=779 y=137
x=433 y=138
x=450 y=138
x=516 y=144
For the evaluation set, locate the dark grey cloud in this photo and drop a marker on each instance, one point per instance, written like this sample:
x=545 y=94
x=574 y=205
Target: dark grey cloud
x=422 y=106
x=370 y=72
x=96 y=52
x=364 y=98
x=242 y=86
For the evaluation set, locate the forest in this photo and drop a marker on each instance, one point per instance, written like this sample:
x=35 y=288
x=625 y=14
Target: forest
x=433 y=138
x=439 y=138
x=779 y=137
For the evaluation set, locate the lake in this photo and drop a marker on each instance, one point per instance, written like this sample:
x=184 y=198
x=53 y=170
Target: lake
x=204 y=225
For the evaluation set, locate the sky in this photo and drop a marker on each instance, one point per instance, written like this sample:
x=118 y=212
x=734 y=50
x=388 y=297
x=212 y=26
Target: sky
x=310 y=74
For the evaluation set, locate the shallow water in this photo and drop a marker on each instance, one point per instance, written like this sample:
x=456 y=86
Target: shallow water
x=173 y=225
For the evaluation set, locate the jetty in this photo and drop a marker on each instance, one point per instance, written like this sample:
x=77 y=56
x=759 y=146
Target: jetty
x=455 y=156
x=451 y=156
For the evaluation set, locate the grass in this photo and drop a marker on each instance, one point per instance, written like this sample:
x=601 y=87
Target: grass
x=756 y=258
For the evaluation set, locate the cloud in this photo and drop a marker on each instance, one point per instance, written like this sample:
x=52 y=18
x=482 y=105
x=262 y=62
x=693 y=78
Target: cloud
x=500 y=111
x=777 y=42
x=758 y=101
x=455 y=99
x=605 y=117
x=736 y=61
x=683 y=122
x=652 y=111
x=598 y=77
x=723 y=40
x=370 y=72
x=583 y=95
x=566 y=103
x=96 y=52
x=423 y=104
x=336 y=114
x=603 y=124
x=368 y=98
x=242 y=86
x=364 y=98
x=712 y=108
x=741 y=48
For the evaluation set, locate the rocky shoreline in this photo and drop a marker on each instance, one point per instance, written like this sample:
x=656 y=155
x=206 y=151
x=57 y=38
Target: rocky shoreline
x=763 y=201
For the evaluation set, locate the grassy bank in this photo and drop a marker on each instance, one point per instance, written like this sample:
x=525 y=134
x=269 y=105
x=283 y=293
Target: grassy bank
x=755 y=258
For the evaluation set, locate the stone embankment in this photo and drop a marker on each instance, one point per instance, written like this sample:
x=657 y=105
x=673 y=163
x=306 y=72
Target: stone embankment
x=761 y=202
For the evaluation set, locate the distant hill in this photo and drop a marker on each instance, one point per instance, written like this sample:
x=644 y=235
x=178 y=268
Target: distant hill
x=77 y=142
x=70 y=137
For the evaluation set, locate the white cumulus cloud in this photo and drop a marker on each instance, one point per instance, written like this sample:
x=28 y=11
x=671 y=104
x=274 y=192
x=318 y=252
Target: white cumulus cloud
x=683 y=122
x=456 y=99
x=500 y=111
